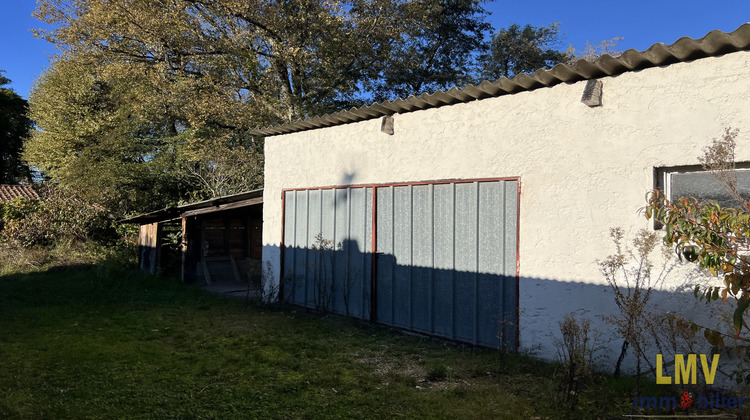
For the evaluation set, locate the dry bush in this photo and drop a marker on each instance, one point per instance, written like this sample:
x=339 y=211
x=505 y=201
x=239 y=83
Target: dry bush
x=576 y=351
x=630 y=273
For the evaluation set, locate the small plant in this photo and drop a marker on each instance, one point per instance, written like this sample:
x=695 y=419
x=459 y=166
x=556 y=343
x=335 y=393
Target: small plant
x=269 y=289
x=576 y=352
x=716 y=239
x=348 y=283
x=437 y=372
x=60 y=216
x=323 y=265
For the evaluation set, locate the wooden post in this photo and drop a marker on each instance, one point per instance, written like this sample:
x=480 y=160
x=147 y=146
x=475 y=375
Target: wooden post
x=156 y=243
x=183 y=249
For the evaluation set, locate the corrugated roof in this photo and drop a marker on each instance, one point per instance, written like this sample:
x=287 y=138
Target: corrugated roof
x=10 y=192
x=715 y=43
x=217 y=204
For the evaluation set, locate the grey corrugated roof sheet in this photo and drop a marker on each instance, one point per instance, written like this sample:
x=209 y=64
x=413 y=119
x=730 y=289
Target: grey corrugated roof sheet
x=715 y=43
x=10 y=192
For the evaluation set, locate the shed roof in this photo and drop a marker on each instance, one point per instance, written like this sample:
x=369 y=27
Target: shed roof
x=715 y=43
x=226 y=202
x=10 y=192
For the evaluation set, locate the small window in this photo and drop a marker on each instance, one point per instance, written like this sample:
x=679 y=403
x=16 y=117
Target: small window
x=692 y=181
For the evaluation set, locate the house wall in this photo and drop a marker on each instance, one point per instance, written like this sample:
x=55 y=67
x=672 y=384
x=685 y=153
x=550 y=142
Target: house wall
x=582 y=170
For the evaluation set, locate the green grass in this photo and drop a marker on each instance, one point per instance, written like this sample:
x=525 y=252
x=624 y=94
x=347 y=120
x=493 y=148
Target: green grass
x=108 y=343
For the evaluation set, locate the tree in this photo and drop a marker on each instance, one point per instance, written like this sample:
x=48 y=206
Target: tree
x=14 y=127
x=592 y=52
x=151 y=101
x=517 y=49
x=90 y=139
x=221 y=165
x=268 y=61
x=437 y=54
x=95 y=137
x=714 y=238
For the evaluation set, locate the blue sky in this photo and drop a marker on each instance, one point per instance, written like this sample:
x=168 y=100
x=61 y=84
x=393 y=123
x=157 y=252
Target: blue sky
x=641 y=23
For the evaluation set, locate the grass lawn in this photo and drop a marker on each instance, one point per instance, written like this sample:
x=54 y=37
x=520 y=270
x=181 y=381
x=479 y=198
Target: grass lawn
x=104 y=343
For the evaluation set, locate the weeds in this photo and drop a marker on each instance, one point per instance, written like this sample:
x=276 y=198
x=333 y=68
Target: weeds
x=576 y=352
x=322 y=268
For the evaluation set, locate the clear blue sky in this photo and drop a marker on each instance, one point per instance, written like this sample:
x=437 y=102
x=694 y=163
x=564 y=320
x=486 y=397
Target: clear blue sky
x=642 y=23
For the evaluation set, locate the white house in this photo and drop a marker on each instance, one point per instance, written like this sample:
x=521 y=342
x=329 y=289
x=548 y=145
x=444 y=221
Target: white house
x=480 y=212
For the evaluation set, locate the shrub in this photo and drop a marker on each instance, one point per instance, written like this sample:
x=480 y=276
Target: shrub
x=576 y=352
x=60 y=216
x=632 y=275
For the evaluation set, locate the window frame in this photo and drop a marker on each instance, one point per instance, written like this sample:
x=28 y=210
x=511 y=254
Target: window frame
x=662 y=174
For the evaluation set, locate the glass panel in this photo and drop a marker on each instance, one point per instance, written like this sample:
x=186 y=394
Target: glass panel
x=704 y=187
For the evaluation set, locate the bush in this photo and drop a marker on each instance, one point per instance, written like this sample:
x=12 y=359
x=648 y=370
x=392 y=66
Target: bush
x=59 y=217
x=576 y=352
x=108 y=259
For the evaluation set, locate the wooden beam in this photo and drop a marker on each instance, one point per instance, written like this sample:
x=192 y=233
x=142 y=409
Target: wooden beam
x=222 y=207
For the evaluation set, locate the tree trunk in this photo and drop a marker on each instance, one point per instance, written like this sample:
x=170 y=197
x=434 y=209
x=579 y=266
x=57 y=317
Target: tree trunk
x=624 y=350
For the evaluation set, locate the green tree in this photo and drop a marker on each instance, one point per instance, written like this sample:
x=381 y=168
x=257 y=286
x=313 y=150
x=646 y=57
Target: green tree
x=14 y=127
x=88 y=138
x=437 y=54
x=150 y=101
x=517 y=49
x=249 y=63
x=97 y=138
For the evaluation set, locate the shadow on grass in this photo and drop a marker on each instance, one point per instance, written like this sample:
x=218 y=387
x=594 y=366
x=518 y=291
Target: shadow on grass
x=103 y=341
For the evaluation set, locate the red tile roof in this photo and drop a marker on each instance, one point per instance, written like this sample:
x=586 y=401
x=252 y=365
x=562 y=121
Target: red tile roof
x=9 y=192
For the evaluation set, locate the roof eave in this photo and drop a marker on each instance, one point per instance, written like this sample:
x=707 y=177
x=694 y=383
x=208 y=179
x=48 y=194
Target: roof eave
x=715 y=43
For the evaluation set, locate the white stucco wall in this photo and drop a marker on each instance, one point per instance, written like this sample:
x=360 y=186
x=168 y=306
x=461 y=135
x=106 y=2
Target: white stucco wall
x=582 y=170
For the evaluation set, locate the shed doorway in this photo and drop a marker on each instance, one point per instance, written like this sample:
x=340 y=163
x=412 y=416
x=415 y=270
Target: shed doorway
x=225 y=248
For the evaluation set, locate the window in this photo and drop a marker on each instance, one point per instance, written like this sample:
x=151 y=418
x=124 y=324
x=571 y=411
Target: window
x=693 y=181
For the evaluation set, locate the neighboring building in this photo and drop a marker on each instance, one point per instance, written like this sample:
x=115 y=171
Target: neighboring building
x=480 y=212
x=11 y=192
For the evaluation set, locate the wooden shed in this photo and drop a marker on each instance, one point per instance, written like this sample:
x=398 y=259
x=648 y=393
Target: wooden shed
x=210 y=242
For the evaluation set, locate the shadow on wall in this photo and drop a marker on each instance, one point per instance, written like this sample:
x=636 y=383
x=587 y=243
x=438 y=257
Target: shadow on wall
x=485 y=309
x=477 y=308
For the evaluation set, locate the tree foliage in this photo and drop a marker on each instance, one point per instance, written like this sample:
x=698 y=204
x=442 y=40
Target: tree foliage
x=91 y=138
x=716 y=239
x=518 y=49
x=219 y=165
x=438 y=53
x=248 y=63
x=59 y=217
x=14 y=127
x=151 y=101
